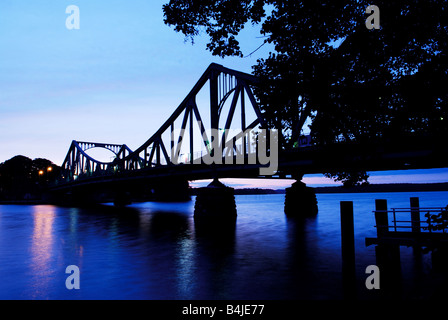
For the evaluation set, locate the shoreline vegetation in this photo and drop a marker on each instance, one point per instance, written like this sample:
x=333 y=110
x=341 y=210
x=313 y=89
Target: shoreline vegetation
x=371 y=188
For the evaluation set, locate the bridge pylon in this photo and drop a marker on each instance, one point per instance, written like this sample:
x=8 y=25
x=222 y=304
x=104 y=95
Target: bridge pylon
x=300 y=200
x=216 y=202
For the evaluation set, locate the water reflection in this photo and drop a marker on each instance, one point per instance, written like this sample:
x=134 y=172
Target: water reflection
x=215 y=249
x=74 y=216
x=158 y=251
x=169 y=241
x=42 y=249
x=195 y=258
x=314 y=259
x=186 y=268
x=171 y=226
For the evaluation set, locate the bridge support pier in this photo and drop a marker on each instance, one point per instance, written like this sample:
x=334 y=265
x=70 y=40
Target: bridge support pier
x=172 y=190
x=215 y=202
x=300 y=200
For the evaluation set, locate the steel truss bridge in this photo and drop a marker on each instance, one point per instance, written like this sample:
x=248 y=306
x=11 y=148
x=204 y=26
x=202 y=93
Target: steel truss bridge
x=218 y=131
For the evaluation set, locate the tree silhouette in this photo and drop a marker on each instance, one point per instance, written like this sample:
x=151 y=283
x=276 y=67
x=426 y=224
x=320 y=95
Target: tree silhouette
x=353 y=83
x=21 y=177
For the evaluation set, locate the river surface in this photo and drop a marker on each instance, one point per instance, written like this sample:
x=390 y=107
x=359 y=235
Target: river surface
x=156 y=251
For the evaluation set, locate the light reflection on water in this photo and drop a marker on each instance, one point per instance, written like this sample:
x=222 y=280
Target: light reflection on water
x=157 y=251
x=42 y=249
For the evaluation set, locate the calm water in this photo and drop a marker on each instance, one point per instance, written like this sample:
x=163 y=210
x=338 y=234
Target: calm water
x=155 y=251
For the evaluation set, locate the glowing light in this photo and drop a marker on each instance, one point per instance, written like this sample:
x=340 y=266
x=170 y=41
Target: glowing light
x=41 y=172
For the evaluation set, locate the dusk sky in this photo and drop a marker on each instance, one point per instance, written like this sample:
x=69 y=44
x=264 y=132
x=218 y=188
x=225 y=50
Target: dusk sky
x=115 y=80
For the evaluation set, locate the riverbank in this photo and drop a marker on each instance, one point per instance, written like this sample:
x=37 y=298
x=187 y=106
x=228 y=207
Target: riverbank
x=371 y=188
x=23 y=202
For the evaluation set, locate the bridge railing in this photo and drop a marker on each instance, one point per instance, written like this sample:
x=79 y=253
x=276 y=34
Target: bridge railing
x=244 y=148
x=416 y=220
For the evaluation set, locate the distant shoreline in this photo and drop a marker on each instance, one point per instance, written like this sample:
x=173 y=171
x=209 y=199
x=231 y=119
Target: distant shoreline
x=371 y=188
x=23 y=202
x=392 y=187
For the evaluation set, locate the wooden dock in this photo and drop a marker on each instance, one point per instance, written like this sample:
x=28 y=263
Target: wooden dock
x=413 y=226
x=416 y=227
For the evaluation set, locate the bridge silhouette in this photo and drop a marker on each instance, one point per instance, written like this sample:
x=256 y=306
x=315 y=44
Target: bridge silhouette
x=218 y=131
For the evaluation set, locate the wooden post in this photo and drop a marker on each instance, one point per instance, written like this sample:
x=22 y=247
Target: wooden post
x=381 y=219
x=347 y=229
x=415 y=214
x=388 y=261
x=348 y=249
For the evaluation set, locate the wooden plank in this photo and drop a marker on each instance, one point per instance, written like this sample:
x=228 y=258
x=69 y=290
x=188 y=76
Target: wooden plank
x=409 y=239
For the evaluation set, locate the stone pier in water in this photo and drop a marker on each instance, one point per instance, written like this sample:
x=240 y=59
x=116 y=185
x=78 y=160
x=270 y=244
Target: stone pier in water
x=215 y=202
x=300 y=200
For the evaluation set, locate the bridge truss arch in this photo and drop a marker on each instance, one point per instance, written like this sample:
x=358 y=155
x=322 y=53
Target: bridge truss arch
x=79 y=164
x=222 y=101
x=177 y=140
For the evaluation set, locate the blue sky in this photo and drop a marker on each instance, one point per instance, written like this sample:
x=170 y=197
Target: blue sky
x=116 y=79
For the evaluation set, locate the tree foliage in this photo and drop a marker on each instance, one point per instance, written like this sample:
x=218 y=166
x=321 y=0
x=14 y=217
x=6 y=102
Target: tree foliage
x=349 y=178
x=21 y=177
x=355 y=84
